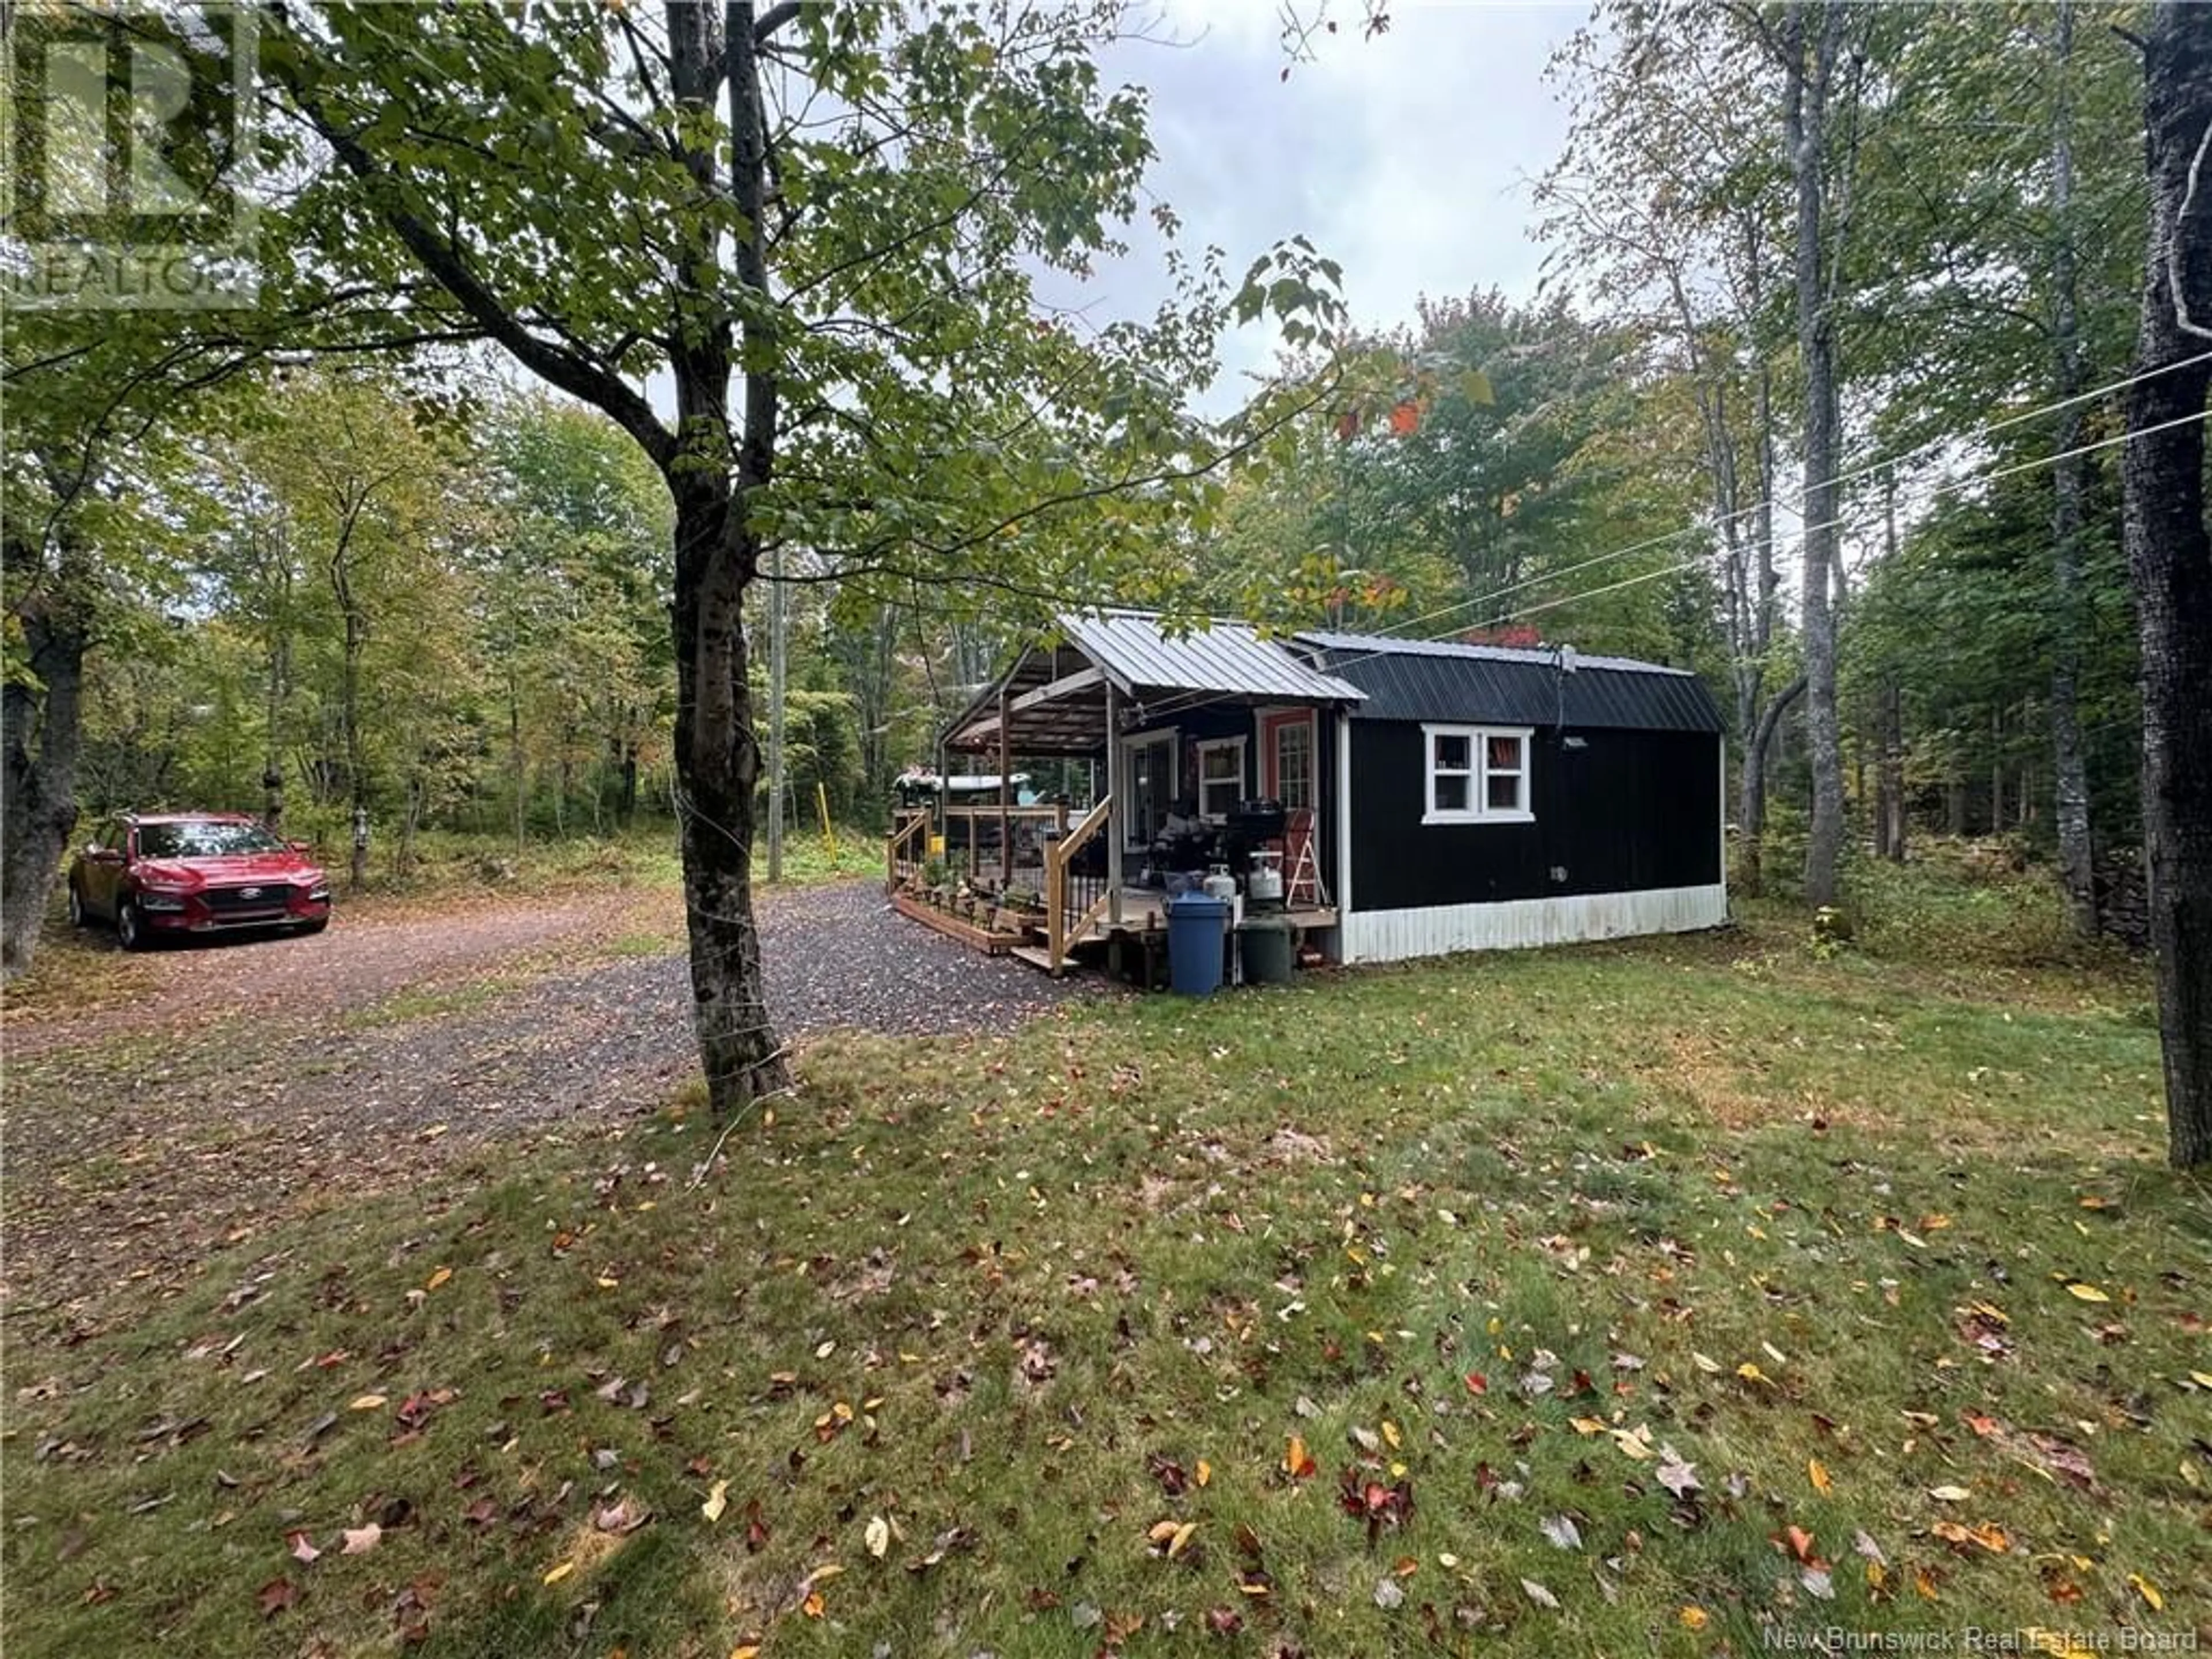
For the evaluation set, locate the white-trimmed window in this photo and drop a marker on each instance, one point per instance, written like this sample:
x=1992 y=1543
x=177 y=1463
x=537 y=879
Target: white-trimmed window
x=1220 y=777
x=1476 y=774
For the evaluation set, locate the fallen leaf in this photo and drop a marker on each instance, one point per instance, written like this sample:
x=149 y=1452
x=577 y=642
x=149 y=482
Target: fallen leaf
x=1536 y=1593
x=1817 y=1472
x=2149 y=1591
x=1181 y=1542
x=359 y=1540
x=878 y=1536
x=1205 y=1472
x=718 y=1499
x=1562 y=1531
x=1694 y=1618
x=441 y=1277
x=555 y=1574
x=2085 y=1292
x=1711 y=1367
x=1949 y=1494
x=276 y=1595
x=367 y=1402
x=1389 y=1595
x=1298 y=1461
x=302 y=1546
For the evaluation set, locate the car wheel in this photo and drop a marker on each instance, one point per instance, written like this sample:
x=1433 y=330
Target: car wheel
x=130 y=926
x=77 y=916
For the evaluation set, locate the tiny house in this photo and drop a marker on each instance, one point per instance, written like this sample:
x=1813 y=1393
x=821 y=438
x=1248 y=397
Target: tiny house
x=1419 y=796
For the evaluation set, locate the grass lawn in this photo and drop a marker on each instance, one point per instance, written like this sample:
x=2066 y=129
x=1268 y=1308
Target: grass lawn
x=1662 y=1297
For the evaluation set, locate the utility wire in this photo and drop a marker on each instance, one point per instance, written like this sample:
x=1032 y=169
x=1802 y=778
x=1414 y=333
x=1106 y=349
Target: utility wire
x=1941 y=487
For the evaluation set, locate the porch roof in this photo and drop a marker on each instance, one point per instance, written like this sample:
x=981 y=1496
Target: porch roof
x=1057 y=690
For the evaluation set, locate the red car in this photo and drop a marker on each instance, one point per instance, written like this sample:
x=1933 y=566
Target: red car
x=157 y=873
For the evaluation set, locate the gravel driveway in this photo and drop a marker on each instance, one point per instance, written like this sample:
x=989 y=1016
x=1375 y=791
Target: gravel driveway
x=249 y=1079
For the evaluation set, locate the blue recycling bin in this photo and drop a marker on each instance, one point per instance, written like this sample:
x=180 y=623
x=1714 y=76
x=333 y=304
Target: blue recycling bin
x=1196 y=923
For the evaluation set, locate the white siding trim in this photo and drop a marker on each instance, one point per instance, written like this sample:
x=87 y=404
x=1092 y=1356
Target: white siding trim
x=1343 y=812
x=1398 y=935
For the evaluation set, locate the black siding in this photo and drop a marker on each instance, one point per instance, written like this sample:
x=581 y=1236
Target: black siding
x=1629 y=811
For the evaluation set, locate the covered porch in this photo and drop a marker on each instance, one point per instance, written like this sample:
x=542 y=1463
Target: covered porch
x=1162 y=755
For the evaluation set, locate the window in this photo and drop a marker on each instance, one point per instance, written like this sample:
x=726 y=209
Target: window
x=1294 y=762
x=1151 y=767
x=1220 y=777
x=1477 y=774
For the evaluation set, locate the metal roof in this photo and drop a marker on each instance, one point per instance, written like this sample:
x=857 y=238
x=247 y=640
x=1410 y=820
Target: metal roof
x=1224 y=656
x=1054 y=695
x=1436 y=680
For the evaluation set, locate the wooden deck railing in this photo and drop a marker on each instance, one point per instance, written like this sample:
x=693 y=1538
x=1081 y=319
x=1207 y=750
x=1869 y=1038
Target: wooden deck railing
x=901 y=859
x=1073 y=901
x=972 y=842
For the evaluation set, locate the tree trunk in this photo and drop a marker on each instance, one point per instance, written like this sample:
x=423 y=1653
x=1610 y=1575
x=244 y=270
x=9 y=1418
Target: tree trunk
x=718 y=767
x=1997 y=774
x=2170 y=557
x=1806 y=107
x=1889 y=817
x=2069 y=618
x=40 y=737
x=1751 y=786
x=718 y=757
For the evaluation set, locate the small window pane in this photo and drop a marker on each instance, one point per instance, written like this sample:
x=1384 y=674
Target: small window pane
x=1506 y=754
x=1451 y=792
x=1504 y=793
x=1452 y=754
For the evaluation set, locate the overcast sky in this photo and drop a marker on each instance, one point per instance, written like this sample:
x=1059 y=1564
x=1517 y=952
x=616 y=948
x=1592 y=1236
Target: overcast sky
x=1406 y=158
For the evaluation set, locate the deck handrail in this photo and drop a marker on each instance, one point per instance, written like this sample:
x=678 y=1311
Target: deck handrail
x=898 y=842
x=1057 y=856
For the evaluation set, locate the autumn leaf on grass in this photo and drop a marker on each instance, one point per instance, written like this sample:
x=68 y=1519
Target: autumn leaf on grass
x=1694 y=1618
x=1678 y=1477
x=718 y=1499
x=301 y=1547
x=1562 y=1531
x=1817 y=1472
x=1989 y=1535
x=1538 y=1594
x=877 y=1535
x=2149 y=1591
x=276 y=1595
x=2085 y=1292
x=359 y=1540
x=1298 y=1461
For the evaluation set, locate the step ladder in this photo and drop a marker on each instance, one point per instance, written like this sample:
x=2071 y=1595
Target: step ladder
x=1304 y=885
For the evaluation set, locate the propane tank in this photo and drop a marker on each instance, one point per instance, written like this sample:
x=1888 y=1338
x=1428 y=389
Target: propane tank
x=1219 y=883
x=1265 y=885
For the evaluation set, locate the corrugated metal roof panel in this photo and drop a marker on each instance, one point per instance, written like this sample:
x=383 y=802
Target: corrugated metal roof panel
x=1227 y=657
x=1432 y=680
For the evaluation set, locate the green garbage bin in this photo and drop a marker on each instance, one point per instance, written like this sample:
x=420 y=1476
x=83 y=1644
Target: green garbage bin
x=1268 y=947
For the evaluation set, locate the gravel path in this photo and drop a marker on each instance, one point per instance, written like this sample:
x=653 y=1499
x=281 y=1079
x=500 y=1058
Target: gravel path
x=219 y=1106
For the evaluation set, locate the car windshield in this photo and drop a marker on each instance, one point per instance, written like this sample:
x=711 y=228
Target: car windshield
x=205 y=840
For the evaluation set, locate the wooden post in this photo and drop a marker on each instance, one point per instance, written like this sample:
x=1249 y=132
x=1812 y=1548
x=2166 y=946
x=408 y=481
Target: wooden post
x=1117 y=786
x=1005 y=793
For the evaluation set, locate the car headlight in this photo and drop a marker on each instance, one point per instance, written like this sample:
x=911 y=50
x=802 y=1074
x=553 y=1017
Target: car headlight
x=162 y=898
x=319 y=892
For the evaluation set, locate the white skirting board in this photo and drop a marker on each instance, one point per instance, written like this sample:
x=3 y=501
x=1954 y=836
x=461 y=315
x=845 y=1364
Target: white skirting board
x=1399 y=935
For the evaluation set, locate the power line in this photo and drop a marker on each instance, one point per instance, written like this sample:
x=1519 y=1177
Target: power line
x=1941 y=487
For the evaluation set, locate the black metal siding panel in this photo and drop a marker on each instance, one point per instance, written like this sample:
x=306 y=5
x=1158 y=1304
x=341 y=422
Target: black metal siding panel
x=1521 y=690
x=1628 y=812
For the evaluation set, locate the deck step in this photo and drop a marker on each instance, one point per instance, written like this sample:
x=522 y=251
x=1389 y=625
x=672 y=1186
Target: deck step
x=1036 y=956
